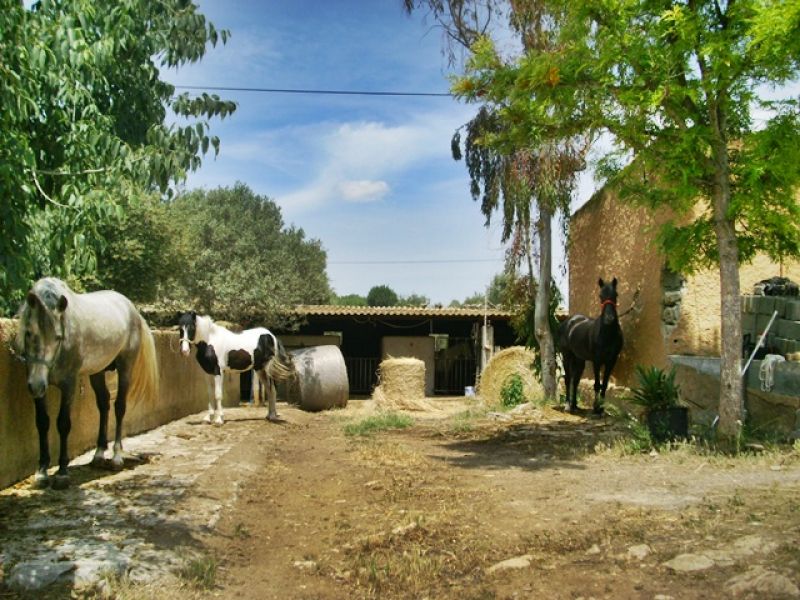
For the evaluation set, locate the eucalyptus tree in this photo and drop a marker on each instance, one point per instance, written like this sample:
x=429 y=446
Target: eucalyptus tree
x=83 y=122
x=678 y=85
x=527 y=174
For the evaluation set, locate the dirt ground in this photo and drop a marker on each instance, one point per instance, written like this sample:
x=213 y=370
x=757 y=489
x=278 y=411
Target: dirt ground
x=466 y=504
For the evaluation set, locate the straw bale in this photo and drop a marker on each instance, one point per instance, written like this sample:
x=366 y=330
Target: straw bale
x=402 y=385
x=516 y=359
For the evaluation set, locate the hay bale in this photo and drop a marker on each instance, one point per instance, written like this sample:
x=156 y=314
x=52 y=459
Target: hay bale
x=321 y=381
x=513 y=360
x=401 y=385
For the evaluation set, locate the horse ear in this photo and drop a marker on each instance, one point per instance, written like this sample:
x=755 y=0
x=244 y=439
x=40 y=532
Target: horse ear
x=600 y=282
x=614 y=283
x=194 y=314
x=32 y=299
x=62 y=304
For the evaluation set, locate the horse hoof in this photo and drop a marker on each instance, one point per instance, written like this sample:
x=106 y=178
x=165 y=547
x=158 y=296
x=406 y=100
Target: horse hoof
x=219 y=422
x=40 y=481
x=60 y=482
x=207 y=419
x=98 y=461
x=273 y=418
x=117 y=463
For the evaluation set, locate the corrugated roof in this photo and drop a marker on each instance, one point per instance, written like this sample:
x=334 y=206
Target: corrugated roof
x=330 y=310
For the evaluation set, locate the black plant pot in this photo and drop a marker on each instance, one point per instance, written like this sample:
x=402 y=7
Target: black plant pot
x=668 y=423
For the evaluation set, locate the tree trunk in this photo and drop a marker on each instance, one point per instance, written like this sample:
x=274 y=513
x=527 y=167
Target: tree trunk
x=731 y=410
x=542 y=307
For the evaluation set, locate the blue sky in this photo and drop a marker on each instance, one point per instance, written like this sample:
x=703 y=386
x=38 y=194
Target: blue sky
x=370 y=177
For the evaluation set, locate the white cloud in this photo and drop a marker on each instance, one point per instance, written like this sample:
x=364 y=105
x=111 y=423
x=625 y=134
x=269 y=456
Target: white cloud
x=363 y=190
x=358 y=160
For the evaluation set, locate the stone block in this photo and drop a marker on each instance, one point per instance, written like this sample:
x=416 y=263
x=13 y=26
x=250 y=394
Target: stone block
x=672 y=298
x=748 y=305
x=791 y=310
x=788 y=329
x=763 y=305
x=786 y=346
x=748 y=324
x=761 y=324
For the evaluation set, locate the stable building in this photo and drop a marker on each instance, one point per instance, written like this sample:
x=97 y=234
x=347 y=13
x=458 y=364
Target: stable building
x=454 y=343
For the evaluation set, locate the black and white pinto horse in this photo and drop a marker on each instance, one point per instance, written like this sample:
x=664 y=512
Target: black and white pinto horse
x=62 y=336
x=598 y=340
x=220 y=350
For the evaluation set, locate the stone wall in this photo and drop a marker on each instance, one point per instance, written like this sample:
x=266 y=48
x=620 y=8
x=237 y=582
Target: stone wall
x=183 y=391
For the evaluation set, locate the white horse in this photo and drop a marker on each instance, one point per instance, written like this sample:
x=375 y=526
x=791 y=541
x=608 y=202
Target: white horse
x=220 y=350
x=62 y=336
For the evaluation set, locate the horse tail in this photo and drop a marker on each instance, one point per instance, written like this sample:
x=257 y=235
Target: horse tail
x=281 y=366
x=144 y=375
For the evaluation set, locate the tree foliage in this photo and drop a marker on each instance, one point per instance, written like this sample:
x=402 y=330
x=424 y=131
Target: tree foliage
x=240 y=260
x=382 y=295
x=349 y=300
x=676 y=84
x=83 y=124
x=139 y=258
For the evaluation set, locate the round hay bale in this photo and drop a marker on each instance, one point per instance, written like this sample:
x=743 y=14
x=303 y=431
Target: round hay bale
x=514 y=360
x=401 y=385
x=321 y=382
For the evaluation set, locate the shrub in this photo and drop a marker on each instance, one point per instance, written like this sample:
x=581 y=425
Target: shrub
x=513 y=391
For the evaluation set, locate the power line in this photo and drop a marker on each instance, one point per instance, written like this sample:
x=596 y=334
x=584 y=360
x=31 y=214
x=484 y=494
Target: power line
x=309 y=91
x=413 y=262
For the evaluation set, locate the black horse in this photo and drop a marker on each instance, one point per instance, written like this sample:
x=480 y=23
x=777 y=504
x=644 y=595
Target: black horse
x=598 y=340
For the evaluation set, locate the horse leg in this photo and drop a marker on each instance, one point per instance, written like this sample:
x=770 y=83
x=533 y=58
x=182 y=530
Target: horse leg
x=271 y=392
x=597 y=407
x=567 y=377
x=577 y=372
x=98 y=382
x=40 y=479
x=120 y=406
x=210 y=389
x=64 y=424
x=219 y=419
x=606 y=376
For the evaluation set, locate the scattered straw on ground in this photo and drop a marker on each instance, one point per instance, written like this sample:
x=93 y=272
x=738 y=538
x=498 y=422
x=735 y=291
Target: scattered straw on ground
x=402 y=385
x=515 y=360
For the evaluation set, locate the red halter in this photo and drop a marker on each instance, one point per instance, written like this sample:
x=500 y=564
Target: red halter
x=609 y=301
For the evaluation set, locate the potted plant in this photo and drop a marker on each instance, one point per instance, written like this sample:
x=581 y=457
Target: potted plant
x=658 y=394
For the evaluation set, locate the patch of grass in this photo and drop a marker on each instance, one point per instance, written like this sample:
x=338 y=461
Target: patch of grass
x=200 y=571
x=464 y=421
x=383 y=422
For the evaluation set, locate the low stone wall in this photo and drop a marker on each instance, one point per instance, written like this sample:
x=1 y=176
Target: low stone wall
x=183 y=391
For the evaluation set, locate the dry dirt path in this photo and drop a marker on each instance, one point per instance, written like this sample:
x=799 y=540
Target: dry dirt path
x=529 y=506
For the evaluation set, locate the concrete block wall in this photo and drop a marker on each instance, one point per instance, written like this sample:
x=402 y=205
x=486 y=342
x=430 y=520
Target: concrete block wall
x=183 y=391
x=784 y=334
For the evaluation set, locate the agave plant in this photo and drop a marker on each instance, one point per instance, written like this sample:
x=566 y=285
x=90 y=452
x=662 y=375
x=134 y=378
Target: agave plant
x=656 y=388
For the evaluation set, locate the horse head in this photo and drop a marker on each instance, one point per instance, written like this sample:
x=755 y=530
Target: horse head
x=41 y=333
x=608 y=301
x=187 y=327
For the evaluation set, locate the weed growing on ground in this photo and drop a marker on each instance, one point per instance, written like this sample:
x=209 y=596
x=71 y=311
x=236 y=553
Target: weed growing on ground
x=200 y=571
x=513 y=391
x=465 y=421
x=374 y=424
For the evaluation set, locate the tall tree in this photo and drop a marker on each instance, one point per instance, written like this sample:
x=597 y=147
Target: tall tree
x=528 y=175
x=241 y=262
x=676 y=84
x=382 y=295
x=83 y=121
